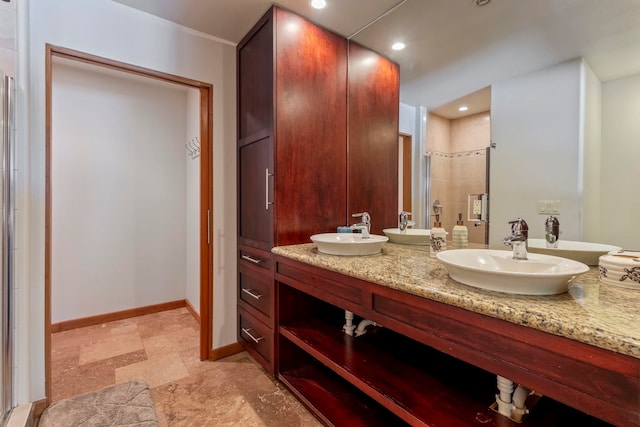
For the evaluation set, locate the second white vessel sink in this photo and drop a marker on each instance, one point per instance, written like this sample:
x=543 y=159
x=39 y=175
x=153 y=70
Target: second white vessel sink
x=496 y=270
x=410 y=236
x=348 y=244
x=584 y=252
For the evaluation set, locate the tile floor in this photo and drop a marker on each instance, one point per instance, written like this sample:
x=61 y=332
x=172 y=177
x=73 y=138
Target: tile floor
x=163 y=348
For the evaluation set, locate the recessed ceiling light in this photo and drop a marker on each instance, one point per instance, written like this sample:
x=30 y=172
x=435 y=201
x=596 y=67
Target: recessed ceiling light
x=397 y=46
x=318 y=4
x=463 y=108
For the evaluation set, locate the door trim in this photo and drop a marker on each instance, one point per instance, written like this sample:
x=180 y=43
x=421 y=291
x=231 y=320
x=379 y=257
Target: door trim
x=206 y=189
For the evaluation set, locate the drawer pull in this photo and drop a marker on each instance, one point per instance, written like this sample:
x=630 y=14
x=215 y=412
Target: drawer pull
x=251 y=259
x=251 y=294
x=247 y=331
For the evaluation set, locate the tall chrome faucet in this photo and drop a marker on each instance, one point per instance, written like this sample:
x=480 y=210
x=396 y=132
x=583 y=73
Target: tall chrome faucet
x=552 y=231
x=518 y=238
x=364 y=225
x=403 y=221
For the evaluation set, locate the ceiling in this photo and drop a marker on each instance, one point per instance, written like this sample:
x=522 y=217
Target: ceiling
x=442 y=33
x=476 y=102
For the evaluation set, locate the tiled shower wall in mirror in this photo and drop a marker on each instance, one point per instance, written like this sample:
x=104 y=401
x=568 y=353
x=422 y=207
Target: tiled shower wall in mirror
x=458 y=166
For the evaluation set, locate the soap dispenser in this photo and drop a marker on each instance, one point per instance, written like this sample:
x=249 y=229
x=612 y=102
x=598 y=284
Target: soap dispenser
x=438 y=237
x=460 y=234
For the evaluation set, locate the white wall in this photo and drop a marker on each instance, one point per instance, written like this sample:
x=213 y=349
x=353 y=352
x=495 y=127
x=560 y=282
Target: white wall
x=112 y=30
x=536 y=128
x=407 y=122
x=192 y=253
x=8 y=21
x=591 y=175
x=620 y=204
x=118 y=179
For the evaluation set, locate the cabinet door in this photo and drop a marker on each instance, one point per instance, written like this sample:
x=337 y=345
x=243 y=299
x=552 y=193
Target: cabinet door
x=311 y=129
x=255 y=81
x=373 y=137
x=255 y=194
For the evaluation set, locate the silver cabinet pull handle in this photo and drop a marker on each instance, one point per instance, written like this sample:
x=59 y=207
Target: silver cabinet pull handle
x=248 y=292
x=251 y=259
x=266 y=188
x=247 y=331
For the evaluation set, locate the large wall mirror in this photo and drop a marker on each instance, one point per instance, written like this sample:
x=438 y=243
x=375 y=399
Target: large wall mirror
x=564 y=127
x=563 y=143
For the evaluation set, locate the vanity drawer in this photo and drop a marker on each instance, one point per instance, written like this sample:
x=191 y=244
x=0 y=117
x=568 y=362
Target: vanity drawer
x=255 y=258
x=256 y=289
x=256 y=338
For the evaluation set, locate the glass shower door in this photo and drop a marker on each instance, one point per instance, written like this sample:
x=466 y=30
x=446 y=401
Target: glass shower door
x=6 y=254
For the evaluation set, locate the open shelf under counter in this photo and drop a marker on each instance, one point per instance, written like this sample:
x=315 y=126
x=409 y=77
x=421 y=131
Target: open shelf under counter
x=418 y=384
x=334 y=400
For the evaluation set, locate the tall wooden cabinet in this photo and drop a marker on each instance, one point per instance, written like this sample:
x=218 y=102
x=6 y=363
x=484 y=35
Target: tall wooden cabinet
x=294 y=172
x=374 y=104
x=292 y=136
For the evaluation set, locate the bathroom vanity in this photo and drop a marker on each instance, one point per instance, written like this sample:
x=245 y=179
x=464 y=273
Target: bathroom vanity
x=435 y=349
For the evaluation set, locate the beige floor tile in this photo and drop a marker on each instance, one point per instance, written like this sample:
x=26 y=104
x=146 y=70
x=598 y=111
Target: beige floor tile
x=124 y=329
x=113 y=345
x=80 y=336
x=171 y=341
x=70 y=379
x=234 y=392
x=155 y=371
x=163 y=349
x=156 y=345
x=166 y=321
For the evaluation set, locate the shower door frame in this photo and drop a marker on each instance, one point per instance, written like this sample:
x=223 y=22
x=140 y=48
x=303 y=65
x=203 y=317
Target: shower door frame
x=8 y=233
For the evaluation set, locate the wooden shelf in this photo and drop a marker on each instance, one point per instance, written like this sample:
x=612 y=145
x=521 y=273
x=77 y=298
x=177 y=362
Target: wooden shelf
x=420 y=385
x=332 y=399
x=423 y=387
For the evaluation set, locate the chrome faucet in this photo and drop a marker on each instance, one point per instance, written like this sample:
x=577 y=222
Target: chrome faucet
x=552 y=231
x=403 y=221
x=518 y=238
x=364 y=225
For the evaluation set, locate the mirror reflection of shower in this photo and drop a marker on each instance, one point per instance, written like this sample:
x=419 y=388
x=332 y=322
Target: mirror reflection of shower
x=458 y=141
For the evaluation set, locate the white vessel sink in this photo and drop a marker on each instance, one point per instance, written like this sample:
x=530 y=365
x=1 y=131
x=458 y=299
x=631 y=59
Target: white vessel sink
x=496 y=270
x=348 y=244
x=410 y=236
x=584 y=252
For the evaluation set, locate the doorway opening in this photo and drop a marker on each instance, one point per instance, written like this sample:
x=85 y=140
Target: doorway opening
x=144 y=233
x=405 y=173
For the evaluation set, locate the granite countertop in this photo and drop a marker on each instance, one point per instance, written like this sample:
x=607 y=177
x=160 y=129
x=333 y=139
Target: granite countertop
x=591 y=312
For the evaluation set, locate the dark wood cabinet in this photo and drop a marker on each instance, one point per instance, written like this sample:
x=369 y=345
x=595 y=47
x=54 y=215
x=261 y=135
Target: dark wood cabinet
x=373 y=137
x=256 y=212
x=292 y=131
x=255 y=82
x=317 y=142
x=310 y=128
x=255 y=193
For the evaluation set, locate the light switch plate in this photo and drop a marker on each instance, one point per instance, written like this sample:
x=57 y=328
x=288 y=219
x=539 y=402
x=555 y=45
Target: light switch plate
x=549 y=207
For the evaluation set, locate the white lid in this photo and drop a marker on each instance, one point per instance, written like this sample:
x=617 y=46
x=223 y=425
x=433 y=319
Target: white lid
x=621 y=258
